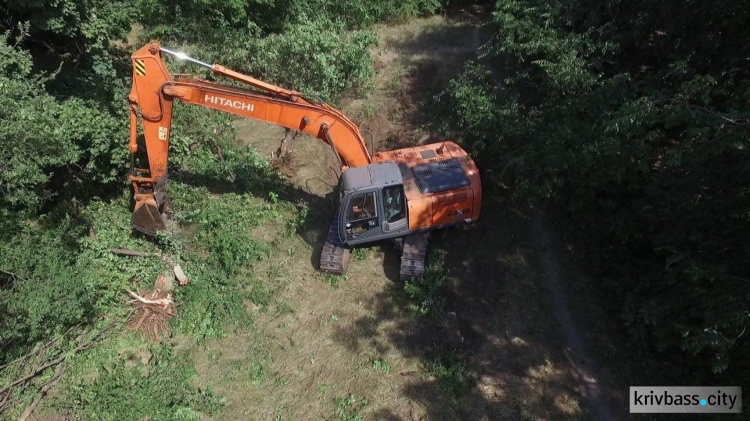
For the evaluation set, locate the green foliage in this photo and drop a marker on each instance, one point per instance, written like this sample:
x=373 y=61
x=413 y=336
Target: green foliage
x=257 y=373
x=316 y=55
x=313 y=46
x=322 y=389
x=359 y=254
x=126 y=388
x=62 y=98
x=633 y=122
x=32 y=313
x=39 y=154
x=334 y=281
x=60 y=277
x=426 y=296
x=73 y=39
x=219 y=249
x=55 y=275
x=360 y=13
x=453 y=374
x=318 y=58
x=349 y=408
x=188 y=21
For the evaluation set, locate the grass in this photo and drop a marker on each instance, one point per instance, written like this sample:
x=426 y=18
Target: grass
x=359 y=254
x=333 y=281
x=148 y=381
x=382 y=365
x=282 y=308
x=452 y=372
x=257 y=373
x=349 y=408
x=333 y=318
x=425 y=297
x=322 y=389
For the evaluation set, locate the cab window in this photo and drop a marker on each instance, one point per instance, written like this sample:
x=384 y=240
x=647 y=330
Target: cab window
x=394 y=203
x=361 y=215
x=361 y=206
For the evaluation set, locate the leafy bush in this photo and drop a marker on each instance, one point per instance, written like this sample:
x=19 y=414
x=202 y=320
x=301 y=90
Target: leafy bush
x=74 y=41
x=59 y=277
x=187 y=22
x=317 y=58
x=633 y=122
x=40 y=155
x=452 y=372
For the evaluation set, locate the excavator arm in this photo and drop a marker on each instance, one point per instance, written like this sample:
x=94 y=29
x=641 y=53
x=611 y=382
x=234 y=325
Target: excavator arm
x=151 y=98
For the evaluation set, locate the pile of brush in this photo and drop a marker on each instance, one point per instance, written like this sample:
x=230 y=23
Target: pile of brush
x=153 y=310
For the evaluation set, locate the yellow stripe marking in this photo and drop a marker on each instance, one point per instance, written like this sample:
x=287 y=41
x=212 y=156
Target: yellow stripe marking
x=140 y=68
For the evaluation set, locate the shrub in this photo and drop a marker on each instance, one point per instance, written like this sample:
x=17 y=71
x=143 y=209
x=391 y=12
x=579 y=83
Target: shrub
x=641 y=142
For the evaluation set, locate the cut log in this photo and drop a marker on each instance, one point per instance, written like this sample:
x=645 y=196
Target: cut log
x=180 y=275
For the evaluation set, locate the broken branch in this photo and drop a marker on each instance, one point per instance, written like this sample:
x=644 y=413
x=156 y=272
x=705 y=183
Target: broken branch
x=126 y=252
x=43 y=391
x=164 y=302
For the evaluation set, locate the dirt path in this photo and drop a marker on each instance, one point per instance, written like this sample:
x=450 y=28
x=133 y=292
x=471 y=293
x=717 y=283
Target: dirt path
x=585 y=367
x=506 y=346
x=581 y=362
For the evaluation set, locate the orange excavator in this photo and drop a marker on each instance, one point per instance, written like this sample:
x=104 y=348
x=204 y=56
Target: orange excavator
x=398 y=195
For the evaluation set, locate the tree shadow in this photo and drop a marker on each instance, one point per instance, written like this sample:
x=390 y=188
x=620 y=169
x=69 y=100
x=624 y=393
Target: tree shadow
x=490 y=350
x=493 y=350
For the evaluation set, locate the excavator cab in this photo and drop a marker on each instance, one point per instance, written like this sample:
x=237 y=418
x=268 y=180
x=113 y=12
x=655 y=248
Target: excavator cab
x=373 y=205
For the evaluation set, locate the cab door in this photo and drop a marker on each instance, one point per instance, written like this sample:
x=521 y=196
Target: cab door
x=361 y=213
x=395 y=217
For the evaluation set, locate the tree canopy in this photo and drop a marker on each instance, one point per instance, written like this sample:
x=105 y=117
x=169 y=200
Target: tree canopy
x=633 y=119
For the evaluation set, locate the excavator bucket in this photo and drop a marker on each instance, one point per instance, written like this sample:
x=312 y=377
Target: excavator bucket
x=146 y=217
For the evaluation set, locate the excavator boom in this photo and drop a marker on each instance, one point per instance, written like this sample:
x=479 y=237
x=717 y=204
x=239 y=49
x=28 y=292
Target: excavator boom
x=154 y=89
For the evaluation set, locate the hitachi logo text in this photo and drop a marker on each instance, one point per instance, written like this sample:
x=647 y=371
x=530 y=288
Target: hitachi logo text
x=228 y=103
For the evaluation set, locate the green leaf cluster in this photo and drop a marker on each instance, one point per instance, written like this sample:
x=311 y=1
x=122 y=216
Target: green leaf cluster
x=634 y=121
x=48 y=145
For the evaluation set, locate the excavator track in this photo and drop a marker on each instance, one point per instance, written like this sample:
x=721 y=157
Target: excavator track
x=335 y=256
x=413 y=256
